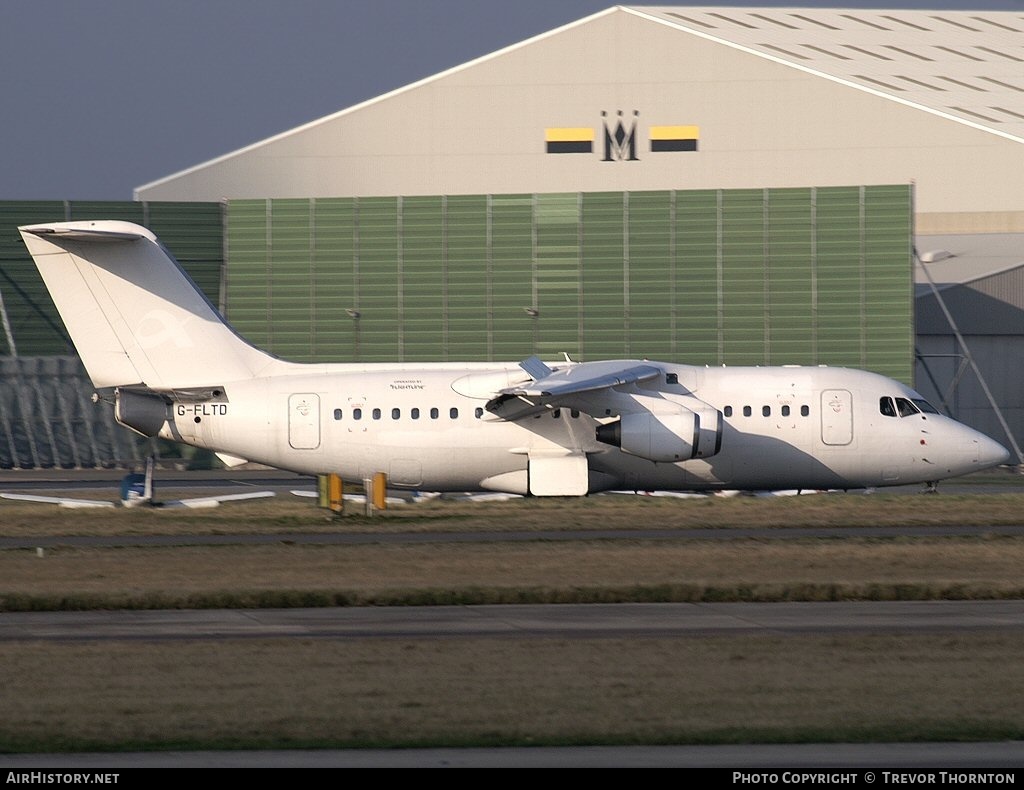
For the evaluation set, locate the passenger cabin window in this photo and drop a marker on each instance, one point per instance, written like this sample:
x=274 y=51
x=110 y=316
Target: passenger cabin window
x=479 y=412
x=766 y=411
x=785 y=411
x=727 y=411
x=886 y=407
x=805 y=410
x=453 y=413
x=376 y=414
x=746 y=411
x=414 y=413
x=396 y=413
x=357 y=414
x=337 y=414
x=434 y=414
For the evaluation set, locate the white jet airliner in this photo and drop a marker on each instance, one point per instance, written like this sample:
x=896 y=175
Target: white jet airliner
x=155 y=346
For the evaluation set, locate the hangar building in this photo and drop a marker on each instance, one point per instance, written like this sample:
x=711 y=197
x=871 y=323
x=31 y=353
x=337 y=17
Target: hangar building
x=662 y=98
x=712 y=185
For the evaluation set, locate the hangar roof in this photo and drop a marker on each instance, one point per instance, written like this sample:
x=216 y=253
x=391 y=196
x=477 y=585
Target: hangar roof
x=980 y=278
x=963 y=65
x=971 y=256
x=981 y=284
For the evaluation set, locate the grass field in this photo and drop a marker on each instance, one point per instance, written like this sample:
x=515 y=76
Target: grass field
x=407 y=692
x=417 y=692
x=289 y=514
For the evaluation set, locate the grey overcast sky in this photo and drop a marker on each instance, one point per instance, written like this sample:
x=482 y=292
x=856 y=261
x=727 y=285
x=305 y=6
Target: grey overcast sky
x=101 y=96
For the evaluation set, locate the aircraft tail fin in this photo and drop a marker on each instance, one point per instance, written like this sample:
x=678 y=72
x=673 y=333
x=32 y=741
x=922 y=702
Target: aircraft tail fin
x=134 y=315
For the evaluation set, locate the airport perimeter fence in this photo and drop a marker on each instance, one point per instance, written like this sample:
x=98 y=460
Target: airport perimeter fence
x=48 y=419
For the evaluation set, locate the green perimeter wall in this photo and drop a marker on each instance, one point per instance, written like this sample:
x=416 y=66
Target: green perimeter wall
x=733 y=277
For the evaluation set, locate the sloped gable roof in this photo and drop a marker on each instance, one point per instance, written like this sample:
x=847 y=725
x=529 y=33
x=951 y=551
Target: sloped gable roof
x=964 y=65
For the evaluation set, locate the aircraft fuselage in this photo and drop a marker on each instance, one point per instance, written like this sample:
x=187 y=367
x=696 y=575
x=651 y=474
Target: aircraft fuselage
x=428 y=427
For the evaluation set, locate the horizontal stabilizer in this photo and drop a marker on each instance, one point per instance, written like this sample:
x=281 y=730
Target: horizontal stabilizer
x=91 y=232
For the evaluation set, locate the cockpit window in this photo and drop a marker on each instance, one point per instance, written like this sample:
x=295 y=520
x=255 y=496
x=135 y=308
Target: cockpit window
x=906 y=408
x=924 y=406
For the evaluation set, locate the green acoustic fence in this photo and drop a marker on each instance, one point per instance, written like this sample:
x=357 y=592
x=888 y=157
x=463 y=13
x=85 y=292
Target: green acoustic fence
x=735 y=277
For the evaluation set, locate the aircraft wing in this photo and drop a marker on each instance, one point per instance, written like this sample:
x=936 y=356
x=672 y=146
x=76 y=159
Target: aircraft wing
x=360 y=499
x=552 y=388
x=214 y=501
x=424 y=496
x=61 y=501
x=669 y=494
x=484 y=496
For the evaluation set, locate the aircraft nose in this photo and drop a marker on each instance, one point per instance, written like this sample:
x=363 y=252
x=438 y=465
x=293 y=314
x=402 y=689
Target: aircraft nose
x=991 y=452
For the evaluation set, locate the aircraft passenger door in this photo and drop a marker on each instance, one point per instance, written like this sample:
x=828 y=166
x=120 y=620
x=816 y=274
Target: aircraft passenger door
x=836 y=417
x=304 y=421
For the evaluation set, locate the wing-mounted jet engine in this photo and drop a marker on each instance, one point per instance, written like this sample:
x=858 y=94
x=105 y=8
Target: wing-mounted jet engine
x=667 y=431
x=659 y=426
